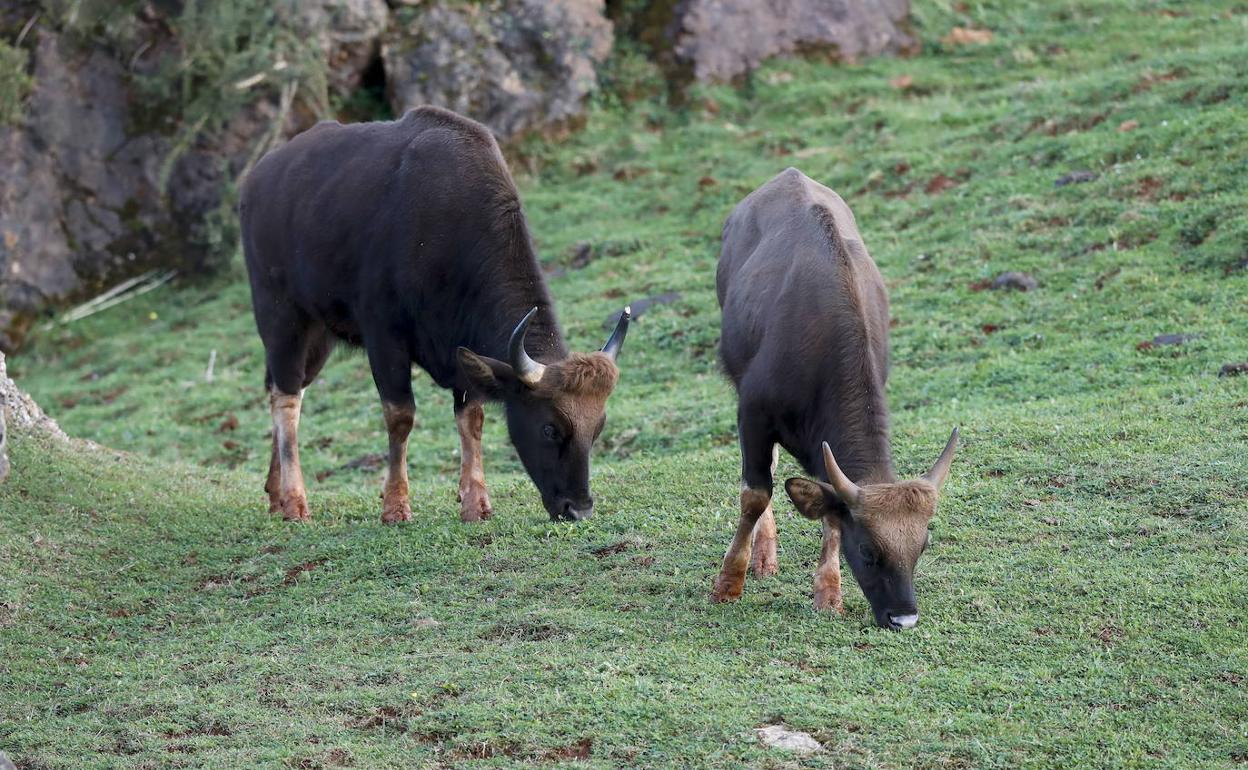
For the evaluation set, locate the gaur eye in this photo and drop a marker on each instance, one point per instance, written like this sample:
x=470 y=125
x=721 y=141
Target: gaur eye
x=550 y=432
x=869 y=556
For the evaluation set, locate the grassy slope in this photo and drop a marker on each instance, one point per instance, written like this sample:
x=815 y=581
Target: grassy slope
x=1085 y=595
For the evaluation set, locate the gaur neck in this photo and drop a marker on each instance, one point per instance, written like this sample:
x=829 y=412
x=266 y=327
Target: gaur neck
x=858 y=436
x=515 y=287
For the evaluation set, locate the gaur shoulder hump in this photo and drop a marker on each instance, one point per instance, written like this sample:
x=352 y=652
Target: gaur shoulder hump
x=429 y=116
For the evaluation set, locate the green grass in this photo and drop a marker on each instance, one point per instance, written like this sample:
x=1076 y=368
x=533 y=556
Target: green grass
x=1085 y=596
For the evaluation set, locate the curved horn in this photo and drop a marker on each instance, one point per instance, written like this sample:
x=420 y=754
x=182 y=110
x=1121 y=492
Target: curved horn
x=527 y=370
x=847 y=490
x=616 y=340
x=940 y=471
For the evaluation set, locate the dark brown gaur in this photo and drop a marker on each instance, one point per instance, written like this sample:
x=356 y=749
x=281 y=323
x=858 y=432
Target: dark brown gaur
x=805 y=341
x=407 y=238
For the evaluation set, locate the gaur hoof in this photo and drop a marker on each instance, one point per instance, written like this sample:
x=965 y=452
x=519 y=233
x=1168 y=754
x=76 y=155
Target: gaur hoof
x=475 y=514
x=396 y=514
x=824 y=602
x=295 y=509
x=723 y=591
x=764 y=565
x=474 y=506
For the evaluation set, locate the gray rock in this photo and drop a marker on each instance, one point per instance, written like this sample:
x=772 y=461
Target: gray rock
x=1014 y=280
x=719 y=40
x=81 y=195
x=514 y=65
x=81 y=204
x=1174 y=339
x=5 y=762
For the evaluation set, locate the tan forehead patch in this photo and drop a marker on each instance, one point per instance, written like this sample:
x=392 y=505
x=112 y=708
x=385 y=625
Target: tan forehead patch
x=897 y=515
x=585 y=375
x=579 y=386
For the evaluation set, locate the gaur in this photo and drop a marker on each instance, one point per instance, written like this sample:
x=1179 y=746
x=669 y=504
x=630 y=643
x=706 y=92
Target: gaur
x=805 y=341
x=407 y=238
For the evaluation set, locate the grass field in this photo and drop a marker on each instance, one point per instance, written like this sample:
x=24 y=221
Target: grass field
x=1086 y=593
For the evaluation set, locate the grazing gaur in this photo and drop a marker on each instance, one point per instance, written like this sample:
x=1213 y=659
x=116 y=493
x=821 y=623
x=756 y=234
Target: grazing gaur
x=407 y=238
x=805 y=342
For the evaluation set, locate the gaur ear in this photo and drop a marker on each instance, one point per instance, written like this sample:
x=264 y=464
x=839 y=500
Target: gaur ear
x=487 y=376
x=808 y=496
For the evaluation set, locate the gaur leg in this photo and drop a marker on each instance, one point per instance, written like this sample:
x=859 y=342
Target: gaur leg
x=392 y=373
x=318 y=346
x=763 y=562
x=474 y=499
x=273 y=484
x=286 y=349
x=292 y=497
x=757 y=445
x=828 y=573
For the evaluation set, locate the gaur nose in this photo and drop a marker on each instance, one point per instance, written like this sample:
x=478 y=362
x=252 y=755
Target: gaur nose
x=903 y=621
x=570 y=511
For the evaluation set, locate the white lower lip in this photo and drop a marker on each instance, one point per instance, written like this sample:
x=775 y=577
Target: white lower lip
x=905 y=621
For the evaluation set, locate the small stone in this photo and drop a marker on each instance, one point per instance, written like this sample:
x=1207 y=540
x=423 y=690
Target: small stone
x=781 y=737
x=1234 y=370
x=1014 y=280
x=1074 y=177
x=424 y=623
x=1174 y=339
x=5 y=762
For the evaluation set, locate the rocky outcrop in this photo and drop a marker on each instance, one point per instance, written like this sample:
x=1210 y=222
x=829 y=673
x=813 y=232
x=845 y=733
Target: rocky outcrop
x=349 y=33
x=81 y=201
x=97 y=185
x=89 y=197
x=20 y=412
x=79 y=198
x=514 y=65
x=718 y=40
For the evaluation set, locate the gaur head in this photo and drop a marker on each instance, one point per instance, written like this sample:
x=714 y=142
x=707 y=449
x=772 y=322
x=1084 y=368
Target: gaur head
x=555 y=412
x=883 y=529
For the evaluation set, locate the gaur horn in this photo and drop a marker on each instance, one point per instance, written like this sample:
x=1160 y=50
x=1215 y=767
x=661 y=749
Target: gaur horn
x=940 y=471
x=847 y=490
x=616 y=340
x=527 y=370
